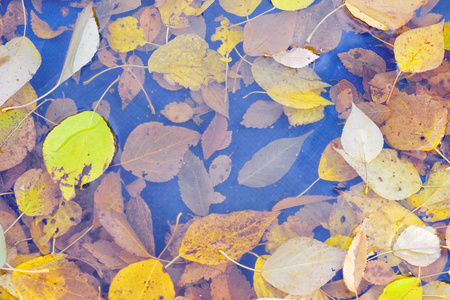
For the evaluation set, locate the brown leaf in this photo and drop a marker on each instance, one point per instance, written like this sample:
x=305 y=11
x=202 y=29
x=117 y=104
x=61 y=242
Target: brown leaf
x=214 y=136
x=25 y=95
x=337 y=289
x=103 y=108
x=131 y=81
x=377 y=112
x=177 y=112
x=8 y=177
x=194 y=272
x=109 y=193
x=262 y=114
x=59 y=109
x=107 y=57
x=220 y=169
x=356 y=58
x=214 y=96
x=381 y=85
x=269 y=34
x=301 y=200
x=154 y=152
x=343 y=94
x=139 y=217
x=438 y=267
x=106 y=253
x=378 y=272
x=37 y=4
x=12 y=18
x=316 y=214
x=150 y=22
x=42 y=30
x=231 y=285
x=14 y=234
x=136 y=187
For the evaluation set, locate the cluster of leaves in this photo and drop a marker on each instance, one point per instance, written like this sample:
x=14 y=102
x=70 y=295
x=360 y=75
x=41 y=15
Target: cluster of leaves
x=70 y=241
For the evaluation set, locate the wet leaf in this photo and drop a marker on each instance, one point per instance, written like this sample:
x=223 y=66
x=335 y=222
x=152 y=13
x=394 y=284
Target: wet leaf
x=231 y=284
x=358 y=58
x=420 y=49
x=154 y=152
x=220 y=169
x=2 y=247
x=15 y=145
x=85 y=136
x=332 y=166
x=150 y=21
x=25 y=95
x=239 y=8
x=42 y=30
x=298 y=201
x=262 y=114
x=174 y=12
x=403 y=288
x=297 y=88
x=447 y=35
x=19 y=62
x=271 y=162
x=59 y=109
x=131 y=81
x=216 y=98
x=435 y=290
x=355 y=261
x=108 y=195
x=304 y=116
x=378 y=272
x=235 y=233
x=214 y=136
x=302 y=265
x=229 y=37
x=139 y=217
x=186 y=60
x=36 y=193
x=12 y=18
x=178 y=112
x=261 y=286
x=295 y=57
x=291 y=4
x=63 y=281
x=125 y=34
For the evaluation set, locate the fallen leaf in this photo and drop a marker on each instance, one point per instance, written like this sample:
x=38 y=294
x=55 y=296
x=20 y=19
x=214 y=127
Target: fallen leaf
x=380 y=86
x=178 y=112
x=131 y=80
x=231 y=284
x=36 y=193
x=436 y=290
x=188 y=61
x=125 y=34
x=174 y=12
x=103 y=108
x=194 y=272
x=419 y=246
x=339 y=241
x=239 y=8
x=378 y=272
x=229 y=37
x=433 y=270
x=297 y=88
x=271 y=162
x=12 y=18
x=355 y=261
x=302 y=265
x=154 y=152
x=447 y=35
x=105 y=10
x=300 y=200
x=108 y=195
x=63 y=280
x=342 y=219
x=216 y=98
x=420 y=49
x=25 y=95
x=377 y=112
x=338 y=290
x=220 y=169
x=262 y=114
x=2 y=247
x=146 y=279
x=42 y=30
x=60 y=109
x=403 y=287
x=20 y=61
x=304 y=116
x=355 y=59
x=214 y=136
x=14 y=234
x=150 y=21
x=15 y=144
x=235 y=233
x=316 y=214
x=261 y=286
x=85 y=136
x=295 y=57
x=291 y=4
x=269 y=34
x=332 y=166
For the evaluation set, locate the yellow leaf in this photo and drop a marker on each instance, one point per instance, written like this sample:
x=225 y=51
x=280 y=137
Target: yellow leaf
x=146 y=279
x=355 y=260
x=332 y=166
x=125 y=34
x=262 y=288
x=235 y=233
x=447 y=35
x=78 y=150
x=36 y=193
x=304 y=116
x=291 y=4
x=420 y=49
x=187 y=61
x=62 y=281
x=238 y=7
x=404 y=288
x=229 y=37
x=339 y=241
x=174 y=12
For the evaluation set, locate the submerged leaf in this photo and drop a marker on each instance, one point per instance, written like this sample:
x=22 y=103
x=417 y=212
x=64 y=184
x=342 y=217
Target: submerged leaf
x=272 y=162
x=42 y=29
x=262 y=114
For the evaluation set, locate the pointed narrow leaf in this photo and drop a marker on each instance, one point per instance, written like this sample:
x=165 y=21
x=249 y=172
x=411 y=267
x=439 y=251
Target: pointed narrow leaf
x=355 y=261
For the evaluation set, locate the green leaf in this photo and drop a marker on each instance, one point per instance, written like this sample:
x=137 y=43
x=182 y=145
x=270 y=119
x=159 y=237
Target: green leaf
x=78 y=151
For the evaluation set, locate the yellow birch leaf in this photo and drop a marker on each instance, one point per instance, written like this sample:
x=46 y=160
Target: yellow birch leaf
x=404 y=287
x=355 y=261
x=63 y=280
x=262 y=288
x=238 y=7
x=235 y=234
x=447 y=35
x=146 y=279
x=332 y=166
x=291 y=4
x=187 y=61
x=125 y=34
x=420 y=49
x=304 y=116
x=339 y=241
x=229 y=37
x=78 y=151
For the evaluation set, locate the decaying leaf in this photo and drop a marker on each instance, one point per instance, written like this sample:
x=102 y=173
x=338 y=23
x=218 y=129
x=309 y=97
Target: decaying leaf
x=235 y=234
x=378 y=272
x=298 y=201
x=272 y=162
x=43 y=30
x=150 y=21
x=131 y=81
x=298 y=117
x=220 y=169
x=60 y=109
x=215 y=96
x=262 y=114
x=177 y=112
x=229 y=37
x=355 y=260
x=357 y=58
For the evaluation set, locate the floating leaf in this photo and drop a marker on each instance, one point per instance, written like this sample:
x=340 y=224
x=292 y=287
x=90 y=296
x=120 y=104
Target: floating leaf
x=239 y=8
x=188 y=61
x=297 y=88
x=151 y=23
x=291 y=4
x=125 y=35
x=272 y=162
x=355 y=261
x=262 y=287
x=420 y=49
x=357 y=59
x=2 y=247
x=298 y=201
x=403 y=288
x=220 y=169
x=419 y=246
x=139 y=217
x=438 y=289
x=131 y=81
x=229 y=37
x=78 y=151
x=235 y=233
x=332 y=166
x=214 y=136
x=304 y=116
x=447 y=35
x=174 y=12
x=216 y=98
x=42 y=30
x=361 y=138
x=154 y=152
x=60 y=109
x=178 y=112
x=262 y=114
x=302 y=265
x=19 y=61
x=295 y=57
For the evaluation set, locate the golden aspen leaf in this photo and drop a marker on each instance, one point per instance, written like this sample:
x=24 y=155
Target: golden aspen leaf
x=291 y=4
x=42 y=29
x=238 y=7
x=146 y=279
x=416 y=122
x=229 y=37
x=447 y=35
x=304 y=116
x=36 y=193
x=420 y=49
x=302 y=265
x=187 y=61
x=332 y=166
x=355 y=260
x=63 y=280
x=80 y=141
x=296 y=88
x=174 y=12
x=388 y=175
x=339 y=241
x=262 y=288
x=384 y=14
x=404 y=287
x=295 y=57
x=418 y=245
x=361 y=138
x=125 y=34
x=235 y=233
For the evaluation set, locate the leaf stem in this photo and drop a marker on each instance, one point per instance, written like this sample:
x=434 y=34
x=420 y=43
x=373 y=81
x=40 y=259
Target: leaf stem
x=308 y=40
x=171 y=238
x=78 y=238
x=254 y=92
x=309 y=187
x=109 y=69
x=248 y=20
x=235 y=262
